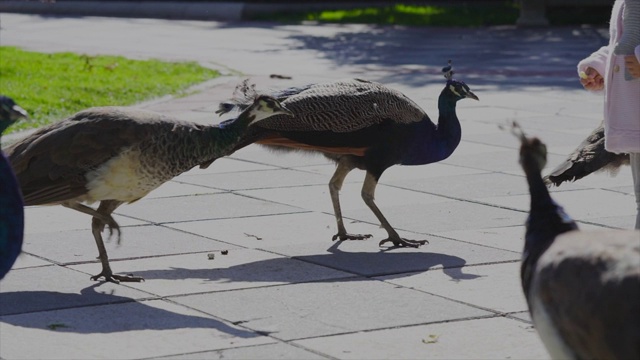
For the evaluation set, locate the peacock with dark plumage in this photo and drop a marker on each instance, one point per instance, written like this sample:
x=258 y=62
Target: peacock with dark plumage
x=590 y=156
x=118 y=155
x=11 y=205
x=360 y=124
x=582 y=288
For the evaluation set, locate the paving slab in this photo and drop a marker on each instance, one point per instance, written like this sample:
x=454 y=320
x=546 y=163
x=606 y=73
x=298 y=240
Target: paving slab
x=176 y=188
x=258 y=179
x=443 y=216
x=300 y=311
x=493 y=286
x=580 y=204
x=318 y=198
x=70 y=247
x=493 y=338
x=271 y=231
x=25 y=260
x=470 y=186
x=201 y=207
x=270 y=351
x=46 y=219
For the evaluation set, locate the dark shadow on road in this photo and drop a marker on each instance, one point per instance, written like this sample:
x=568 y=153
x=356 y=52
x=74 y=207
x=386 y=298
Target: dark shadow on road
x=291 y=270
x=101 y=317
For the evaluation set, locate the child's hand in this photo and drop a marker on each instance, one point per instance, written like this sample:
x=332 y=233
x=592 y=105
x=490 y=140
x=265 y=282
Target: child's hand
x=632 y=65
x=592 y=80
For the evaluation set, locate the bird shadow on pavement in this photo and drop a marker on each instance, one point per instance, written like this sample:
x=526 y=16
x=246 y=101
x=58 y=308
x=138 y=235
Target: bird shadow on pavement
x=301 y=268
x=95 y=312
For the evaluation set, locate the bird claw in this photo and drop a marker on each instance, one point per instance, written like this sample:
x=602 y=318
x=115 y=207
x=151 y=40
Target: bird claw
x=346 y=236
x=116 y=279
x=115 y=228
x=401 y=242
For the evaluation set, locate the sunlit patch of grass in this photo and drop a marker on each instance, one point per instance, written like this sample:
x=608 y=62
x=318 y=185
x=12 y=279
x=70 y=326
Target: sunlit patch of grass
x=53 y=86
x=465 y=14
x=413 y=15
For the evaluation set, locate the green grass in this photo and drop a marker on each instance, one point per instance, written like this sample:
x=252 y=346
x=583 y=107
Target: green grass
x=459 y=15
x=53 y=86
x=412 y=15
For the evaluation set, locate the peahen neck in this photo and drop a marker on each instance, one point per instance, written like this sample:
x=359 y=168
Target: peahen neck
x=219 y=140
x=546 y=221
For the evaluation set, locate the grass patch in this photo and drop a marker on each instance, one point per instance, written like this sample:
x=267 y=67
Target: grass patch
x=459 y=15
x=53 y=86
x=467 y=15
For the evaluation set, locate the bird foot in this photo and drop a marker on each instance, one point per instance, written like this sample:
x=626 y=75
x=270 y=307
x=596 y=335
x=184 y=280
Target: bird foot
x=346 y=236
x=110 y=277
x=401 y=242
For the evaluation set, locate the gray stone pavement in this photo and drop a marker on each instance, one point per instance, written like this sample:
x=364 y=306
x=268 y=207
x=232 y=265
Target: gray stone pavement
x=285 y=290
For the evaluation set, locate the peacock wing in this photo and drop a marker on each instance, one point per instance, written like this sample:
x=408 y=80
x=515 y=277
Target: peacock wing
x=51 y=164
x=344 y=106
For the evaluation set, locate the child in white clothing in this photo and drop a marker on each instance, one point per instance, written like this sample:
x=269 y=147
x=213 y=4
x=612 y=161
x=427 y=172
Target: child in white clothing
x=605 y=71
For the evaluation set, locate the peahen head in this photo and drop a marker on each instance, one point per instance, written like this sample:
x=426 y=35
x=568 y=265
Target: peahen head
x=533 y=152
x=10 y=112
x=455 y=89
x=264 y=106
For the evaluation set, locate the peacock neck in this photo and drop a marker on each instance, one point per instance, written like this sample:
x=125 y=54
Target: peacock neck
x=448 y=131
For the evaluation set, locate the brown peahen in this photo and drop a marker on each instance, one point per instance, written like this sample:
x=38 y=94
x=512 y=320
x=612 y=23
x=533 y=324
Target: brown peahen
x=582 y=288
x=118 y=155
x=360 y=124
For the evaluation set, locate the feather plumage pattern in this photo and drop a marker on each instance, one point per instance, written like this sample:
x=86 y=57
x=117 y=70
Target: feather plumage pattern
x=359 y=124
x=589 y=157
x=118 y=155
x=341 y=106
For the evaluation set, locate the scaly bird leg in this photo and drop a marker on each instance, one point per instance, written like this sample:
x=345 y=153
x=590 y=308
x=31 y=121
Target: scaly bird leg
x=97 y=225
x=368 y=192
x=101 y=217
x=343 y=168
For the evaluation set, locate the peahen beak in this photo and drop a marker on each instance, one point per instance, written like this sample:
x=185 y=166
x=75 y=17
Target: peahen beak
x=286 y=111
x=18 y=113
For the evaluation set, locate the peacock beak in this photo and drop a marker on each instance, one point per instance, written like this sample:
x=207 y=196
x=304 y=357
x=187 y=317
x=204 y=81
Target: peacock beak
x=471 y=95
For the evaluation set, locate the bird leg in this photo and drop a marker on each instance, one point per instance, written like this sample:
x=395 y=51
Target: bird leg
x=368 y=191
x=97 y=225
x=101 y=217
x=343 y=168
x=104 y=216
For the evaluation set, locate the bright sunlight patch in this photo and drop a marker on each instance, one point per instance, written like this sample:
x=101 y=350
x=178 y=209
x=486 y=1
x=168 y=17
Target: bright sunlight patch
x=53 y=86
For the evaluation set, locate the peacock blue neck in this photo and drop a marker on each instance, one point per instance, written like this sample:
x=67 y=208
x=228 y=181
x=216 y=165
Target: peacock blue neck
x=448 y=132
x=433 y=143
